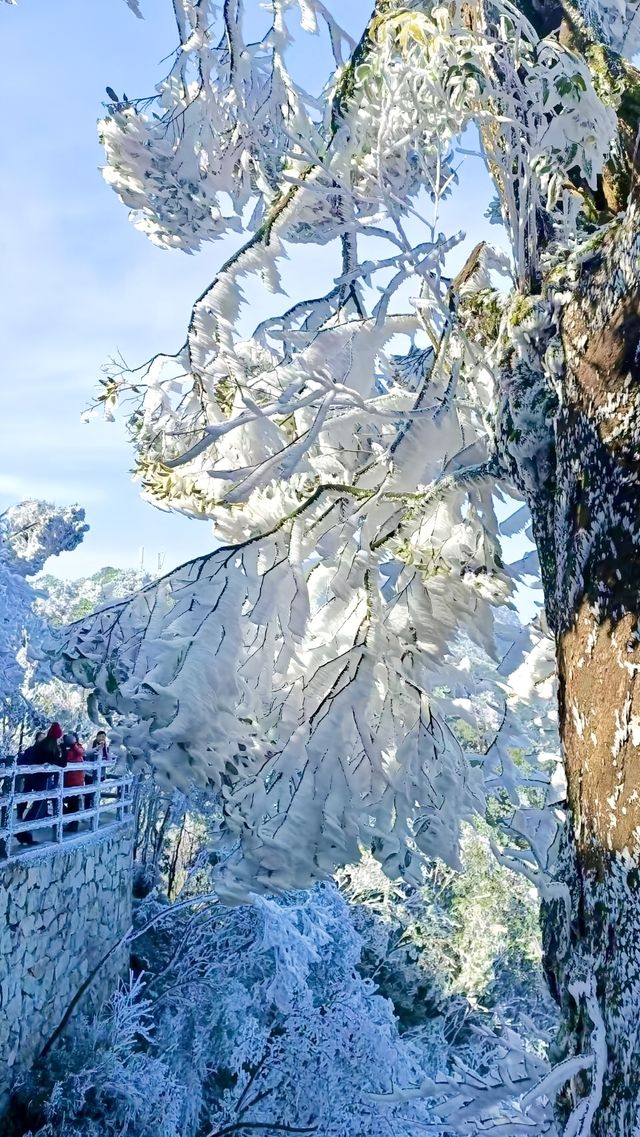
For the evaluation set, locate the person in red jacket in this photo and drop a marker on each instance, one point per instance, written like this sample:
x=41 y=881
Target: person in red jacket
x=74 y=752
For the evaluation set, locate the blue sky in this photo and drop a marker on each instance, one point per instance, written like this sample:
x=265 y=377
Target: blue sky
x=80 y=284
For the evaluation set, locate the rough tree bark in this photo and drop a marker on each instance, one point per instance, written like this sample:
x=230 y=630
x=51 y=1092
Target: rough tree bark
x=589 y=538
x=583 y=490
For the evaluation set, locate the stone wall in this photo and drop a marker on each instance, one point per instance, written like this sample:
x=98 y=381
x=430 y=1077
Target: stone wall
x=60 y=912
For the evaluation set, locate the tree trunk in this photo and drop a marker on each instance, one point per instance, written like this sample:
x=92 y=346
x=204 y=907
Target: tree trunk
x=589 y=540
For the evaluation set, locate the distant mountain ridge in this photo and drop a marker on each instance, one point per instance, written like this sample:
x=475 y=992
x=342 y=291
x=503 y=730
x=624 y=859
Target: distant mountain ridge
x=63 y=601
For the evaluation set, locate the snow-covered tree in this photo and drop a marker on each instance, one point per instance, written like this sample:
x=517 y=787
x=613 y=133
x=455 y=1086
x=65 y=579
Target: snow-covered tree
x=30 y=533
x=350 y=449
x=63 y=601
x=59 y=602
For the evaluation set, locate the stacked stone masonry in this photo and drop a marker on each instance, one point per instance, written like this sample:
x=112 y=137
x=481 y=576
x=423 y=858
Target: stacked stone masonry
x=60 y=912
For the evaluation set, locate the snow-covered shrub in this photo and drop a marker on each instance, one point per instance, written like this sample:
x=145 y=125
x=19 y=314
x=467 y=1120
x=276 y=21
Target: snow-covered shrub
x=106 y=1083
x=259 y=1016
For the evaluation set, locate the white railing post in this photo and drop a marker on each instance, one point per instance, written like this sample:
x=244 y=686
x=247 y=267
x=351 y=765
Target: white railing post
x=94 y=795
x=98 y=797
x=11 y=806
x=60 y=807
x=121 y=794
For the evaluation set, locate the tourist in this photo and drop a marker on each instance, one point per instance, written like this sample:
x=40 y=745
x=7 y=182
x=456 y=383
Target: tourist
x=74 y=753
x=99 y=753
x=43 y=753
x=24 y=784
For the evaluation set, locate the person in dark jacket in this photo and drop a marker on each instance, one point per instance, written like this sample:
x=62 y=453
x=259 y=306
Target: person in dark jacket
x=24 y=784
x=44 y=753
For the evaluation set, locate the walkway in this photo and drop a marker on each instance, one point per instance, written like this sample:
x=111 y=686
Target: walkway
x=59 y=813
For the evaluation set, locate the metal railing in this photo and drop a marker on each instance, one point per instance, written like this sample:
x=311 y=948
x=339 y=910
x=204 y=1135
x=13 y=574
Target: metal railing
x=67 y=812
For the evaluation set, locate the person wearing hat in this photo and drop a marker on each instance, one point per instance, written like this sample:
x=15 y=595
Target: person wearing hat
x=43 y=753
